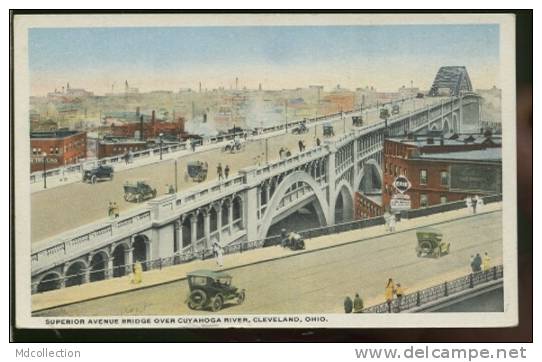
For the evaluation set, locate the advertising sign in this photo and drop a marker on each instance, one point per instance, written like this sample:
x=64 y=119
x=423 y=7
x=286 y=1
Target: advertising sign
x=400 y=202
x=401 y=184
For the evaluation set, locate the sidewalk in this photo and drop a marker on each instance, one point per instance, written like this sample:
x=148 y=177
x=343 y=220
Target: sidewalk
x=151 y=278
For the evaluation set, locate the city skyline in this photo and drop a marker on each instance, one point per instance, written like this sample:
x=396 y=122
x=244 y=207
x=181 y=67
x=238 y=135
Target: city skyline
x=386 y=57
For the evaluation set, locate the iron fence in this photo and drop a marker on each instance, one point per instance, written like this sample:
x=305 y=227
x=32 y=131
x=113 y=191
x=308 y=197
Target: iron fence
x=436 y=292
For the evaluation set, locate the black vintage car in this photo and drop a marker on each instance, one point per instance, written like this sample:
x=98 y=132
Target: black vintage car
x=210 y=289
x=98 y=173
x=138 y=191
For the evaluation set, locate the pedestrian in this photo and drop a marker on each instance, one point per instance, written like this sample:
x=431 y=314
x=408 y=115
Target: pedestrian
x=318 y=141
x=392 y=222
x=479 y=203
x=110 y=209
x=303 y=146
x=468 y=202
x=126 y=157
x=399 y=292
x=193 y=145
x=486 y=262
x=300 y=144
x=217 y=252
x=348 y=305
x=171 y=189
x=387 y=220
x=472 y=263
x=116 y=210
x=473 y=201
x=137 y=272
x=477 y=263
x=227 y=171
x=388 y=294
x=281 y=153
x=219 y=171
x=358 y=304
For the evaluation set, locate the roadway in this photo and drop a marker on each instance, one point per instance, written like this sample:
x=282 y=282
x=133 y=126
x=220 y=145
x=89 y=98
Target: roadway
x=67 y=207
x=318 y=282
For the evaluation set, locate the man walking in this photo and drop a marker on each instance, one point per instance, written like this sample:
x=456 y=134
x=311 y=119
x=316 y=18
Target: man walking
x=348 y=305
x=300 y=144
x=219 y=171
x=227 y=171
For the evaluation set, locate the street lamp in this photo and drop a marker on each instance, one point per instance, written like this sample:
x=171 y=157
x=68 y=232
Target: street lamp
x=161 y=142
x=44 y=170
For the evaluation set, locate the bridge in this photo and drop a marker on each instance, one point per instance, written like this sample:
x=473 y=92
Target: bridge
x=245 y=208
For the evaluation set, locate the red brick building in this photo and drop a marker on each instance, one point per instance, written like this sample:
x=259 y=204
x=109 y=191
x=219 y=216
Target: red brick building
x=109 y=148
x=60 y=148
x=443 y=169
x=143 y=130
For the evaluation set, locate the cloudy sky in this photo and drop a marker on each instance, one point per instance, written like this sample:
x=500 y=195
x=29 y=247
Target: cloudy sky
x=170 y=58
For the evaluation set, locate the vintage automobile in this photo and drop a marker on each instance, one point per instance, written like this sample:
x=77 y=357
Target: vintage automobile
x=300 y=129
x=395 y=109
x=357 y=121
x=99 y=173
x=197 y=170
x=138 y=191
x=234 y=145
x=211 y=289
x=430 y=243
x=328 y=130
x=384 y=113
x=291 y=240
x=419 y=95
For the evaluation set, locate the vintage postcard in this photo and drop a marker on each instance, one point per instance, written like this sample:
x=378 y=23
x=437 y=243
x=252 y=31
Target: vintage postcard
x=265 y=170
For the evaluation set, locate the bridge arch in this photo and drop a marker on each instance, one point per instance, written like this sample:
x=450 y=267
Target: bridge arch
x=50 y=281
x=75 y=273
x=119 y=254
x=98 y=264
x=363 y=172
x=344 y=202
x=445 y=125
x=141 y=249
x=321 y=206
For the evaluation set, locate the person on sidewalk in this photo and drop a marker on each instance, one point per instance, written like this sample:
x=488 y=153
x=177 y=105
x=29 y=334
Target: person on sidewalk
x=217 y=252
x=387 y=220
x=399 y=292
x=358 y=304
x=348 y=305
x=392 y=222
x=388 y=293
x=486 y=263
x=472 y=267
x=110 y=210
x=137 y=275
x=300 y=144
x=473 y=202
x=468 y=202
x=226 y=171
x=116 y=210
x=479 y=203
x=317 y=142
x=219 y=171
x=477 y=263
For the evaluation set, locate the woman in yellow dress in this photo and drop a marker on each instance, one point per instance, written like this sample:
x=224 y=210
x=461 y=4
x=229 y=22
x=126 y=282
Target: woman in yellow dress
x=388 y=294
x=137 y=274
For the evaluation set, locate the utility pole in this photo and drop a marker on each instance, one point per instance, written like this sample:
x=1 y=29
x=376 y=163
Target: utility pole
x=266 y=151
x=286 y=114
x=44 y=170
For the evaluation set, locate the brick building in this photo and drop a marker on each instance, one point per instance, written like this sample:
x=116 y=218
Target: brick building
x=61 y=147
x=143 y=130
x=443 y=169
x=114 y=147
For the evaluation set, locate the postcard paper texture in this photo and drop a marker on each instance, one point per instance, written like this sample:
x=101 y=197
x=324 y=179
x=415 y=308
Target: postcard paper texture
x=270 y=170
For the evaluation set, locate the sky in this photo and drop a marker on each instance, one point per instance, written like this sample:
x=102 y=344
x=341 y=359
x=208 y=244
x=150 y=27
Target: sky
x=170 y=58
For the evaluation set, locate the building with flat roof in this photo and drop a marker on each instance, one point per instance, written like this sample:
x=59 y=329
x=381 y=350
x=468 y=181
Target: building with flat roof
x=442 y=169
x=58 y=148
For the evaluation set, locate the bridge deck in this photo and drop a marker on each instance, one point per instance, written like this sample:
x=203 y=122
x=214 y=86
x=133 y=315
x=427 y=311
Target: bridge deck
x=63 y=208
x=317 y=281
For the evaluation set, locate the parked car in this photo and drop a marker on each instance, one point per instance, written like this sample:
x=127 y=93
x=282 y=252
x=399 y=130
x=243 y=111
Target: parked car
x=300 y=129
x=291 y=240
x=357 y=121
x=210 y=289
x=384 y=113
x=99 y=173
x=395 y=109
x=138 y=191
x=430 y=243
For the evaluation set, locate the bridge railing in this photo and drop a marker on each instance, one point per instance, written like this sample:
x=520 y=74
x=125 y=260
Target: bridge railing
x=436 y=292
